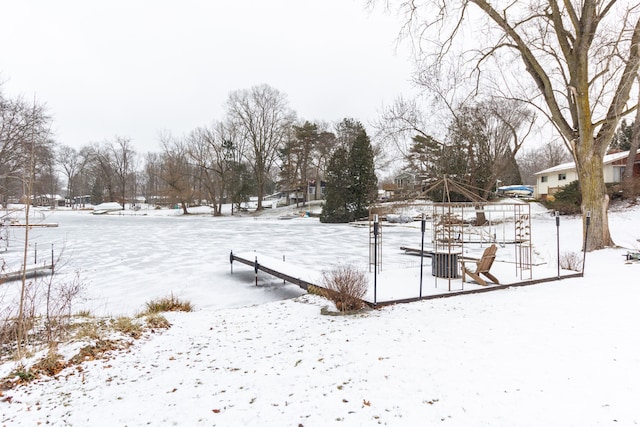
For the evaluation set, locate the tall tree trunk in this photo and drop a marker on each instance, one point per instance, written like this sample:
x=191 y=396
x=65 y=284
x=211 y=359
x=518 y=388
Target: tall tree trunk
x=595 y=200
x=260 y=185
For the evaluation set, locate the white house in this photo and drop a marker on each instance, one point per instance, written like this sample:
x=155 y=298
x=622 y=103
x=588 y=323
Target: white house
x=549 y=181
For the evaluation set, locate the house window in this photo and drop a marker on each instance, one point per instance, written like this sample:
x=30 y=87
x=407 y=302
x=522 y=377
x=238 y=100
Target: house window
x=562 y=176
x=543 y=178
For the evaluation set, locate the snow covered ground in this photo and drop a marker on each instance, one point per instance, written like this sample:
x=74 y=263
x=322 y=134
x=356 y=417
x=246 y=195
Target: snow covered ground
x=563 y=353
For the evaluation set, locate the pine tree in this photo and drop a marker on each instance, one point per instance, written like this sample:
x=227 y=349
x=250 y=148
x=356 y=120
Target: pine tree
x=351 y=182
x=337 y=190
x=622 y=137
x=364 y=183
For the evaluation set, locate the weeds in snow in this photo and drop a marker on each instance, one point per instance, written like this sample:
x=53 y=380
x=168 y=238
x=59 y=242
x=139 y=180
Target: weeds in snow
x=170 y=303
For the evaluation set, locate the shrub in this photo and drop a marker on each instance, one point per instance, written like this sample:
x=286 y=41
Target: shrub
x=567 y=200
x=346 y=286
x=170 y=303
x=571 y=261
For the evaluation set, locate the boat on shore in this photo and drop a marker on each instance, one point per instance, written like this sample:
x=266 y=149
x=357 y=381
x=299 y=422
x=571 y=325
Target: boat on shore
x=105 y=208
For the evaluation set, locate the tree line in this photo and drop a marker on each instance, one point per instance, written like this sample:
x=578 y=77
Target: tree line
x=258 y=146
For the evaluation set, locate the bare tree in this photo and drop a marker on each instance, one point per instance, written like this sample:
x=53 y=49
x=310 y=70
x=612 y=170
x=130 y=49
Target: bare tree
x=20 y=123
x=36 y=134
x=200 y=155
x=262 y=116
x=46 y=180
x=101 y=174
x=322 y=152
x=123 y=157
x=399 y=123
x=582 y=58
x=176 y=172
x=534 y=160
x=208 y=149
x=72 y=163
x=150 y=177
x=492 y=133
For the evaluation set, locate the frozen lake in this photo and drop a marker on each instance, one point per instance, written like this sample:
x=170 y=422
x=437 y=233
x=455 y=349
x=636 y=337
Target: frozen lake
x=128 y=260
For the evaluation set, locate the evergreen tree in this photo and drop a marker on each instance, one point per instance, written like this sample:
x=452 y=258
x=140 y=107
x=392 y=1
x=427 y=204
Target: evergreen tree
x=337 y=190
x=364 y=183
x=622 y=137
x=351 y=182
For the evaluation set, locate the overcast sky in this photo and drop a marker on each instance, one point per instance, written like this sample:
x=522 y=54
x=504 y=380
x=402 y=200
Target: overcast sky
x=133 y=68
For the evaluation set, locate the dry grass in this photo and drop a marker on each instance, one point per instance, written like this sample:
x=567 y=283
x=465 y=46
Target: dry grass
x=127 y=326
x=170 y=303
x=102 y=336
x=157 y=321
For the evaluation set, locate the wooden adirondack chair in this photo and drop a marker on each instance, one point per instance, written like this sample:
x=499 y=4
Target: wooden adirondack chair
x=483 y=265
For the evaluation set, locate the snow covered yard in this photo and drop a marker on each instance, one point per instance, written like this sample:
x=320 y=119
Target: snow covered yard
x=558 y=354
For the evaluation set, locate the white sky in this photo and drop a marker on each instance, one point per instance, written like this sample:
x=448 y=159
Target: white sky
x=134 y=68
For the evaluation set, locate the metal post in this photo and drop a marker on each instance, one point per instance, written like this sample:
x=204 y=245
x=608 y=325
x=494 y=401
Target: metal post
x=52 y=262
x=35 y=253
x=586 y=236
x=375 y=259
x=231 y=260
x=558 y=240
x=255 y=267
x=422 y=228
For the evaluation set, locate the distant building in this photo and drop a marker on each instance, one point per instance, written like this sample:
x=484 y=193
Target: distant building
x=47 y=200
x=550 y=181
x=313 y=192
x=405 y=182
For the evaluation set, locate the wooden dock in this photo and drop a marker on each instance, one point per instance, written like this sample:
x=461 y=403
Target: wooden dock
x=29 y=273
x=257 y=266
x=37 y=224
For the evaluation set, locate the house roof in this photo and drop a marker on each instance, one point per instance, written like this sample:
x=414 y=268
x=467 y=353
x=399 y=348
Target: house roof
x=609 y=158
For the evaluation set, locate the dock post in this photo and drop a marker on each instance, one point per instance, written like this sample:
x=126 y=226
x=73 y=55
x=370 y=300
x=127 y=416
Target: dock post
x=255 y=267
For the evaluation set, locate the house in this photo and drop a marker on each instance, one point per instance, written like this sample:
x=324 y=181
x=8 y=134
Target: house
x=549 y=181
x=314 y=193
x=47 y=200
x=405 y=182
x=403 y=185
